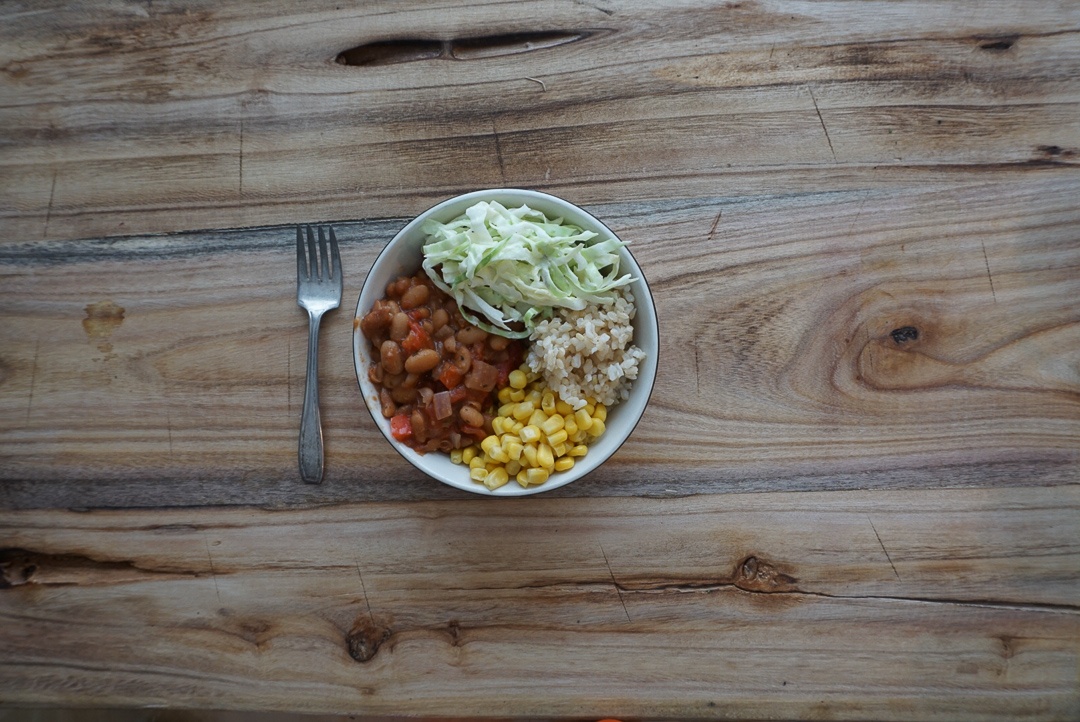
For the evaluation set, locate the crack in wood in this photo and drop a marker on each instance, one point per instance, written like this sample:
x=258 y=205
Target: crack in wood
x=33 y=379
x=989 y=275
x=822 y=121
x=690 y=587
x=407 y=50
x=883 y=547
x=367 y=600
x=715 y=223
x=213 y=573
x=20 y=567
x=48 y=211
x=618 y=590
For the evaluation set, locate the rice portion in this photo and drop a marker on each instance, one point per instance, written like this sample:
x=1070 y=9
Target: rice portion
x=588 y=353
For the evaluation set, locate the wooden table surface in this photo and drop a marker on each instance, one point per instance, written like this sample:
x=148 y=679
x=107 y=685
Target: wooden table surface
x=855 y=493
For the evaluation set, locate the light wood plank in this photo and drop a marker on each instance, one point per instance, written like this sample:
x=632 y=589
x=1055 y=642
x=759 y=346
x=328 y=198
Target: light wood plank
x=851 y=605
x=778 y=363
x=213 y=115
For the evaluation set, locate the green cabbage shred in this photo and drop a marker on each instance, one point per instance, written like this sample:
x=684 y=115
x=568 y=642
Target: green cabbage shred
x=514 y=265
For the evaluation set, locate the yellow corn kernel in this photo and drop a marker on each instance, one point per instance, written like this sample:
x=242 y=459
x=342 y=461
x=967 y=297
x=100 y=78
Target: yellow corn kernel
x=455 y=456
x=504 y=395
x=523 y=410
x=536 y=395
x=545 y=457
x=518 y=426
x=597 y=428
x=530 y=433
x=517 y=395
x=553 y=424
x=547 y=402
x=496 y=478
x=478 y=473
x=522 y=478
x=563 y=408
x=590 y=407
x=536 y=476
x=559 y=450
x=508 y=438
x=477 y=462
x=529 y=454
x=518 y=379
x=600 y=413
x=584 y=421
x=580 y=437
x=570 y=424
x=564 y=463
x=579 y=450
x=499 y=455
x=497 y=425
x=489 y=443
x=507 y=409
x=468 y=454
x=513 y=449
x=559 y=437
x=538 y=417
x=513 y=467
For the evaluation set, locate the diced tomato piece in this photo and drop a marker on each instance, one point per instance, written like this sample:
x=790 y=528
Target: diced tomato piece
x=417 y=339
x=449 y=376
x=401 y=427
x=458 y=394
x=477 y=350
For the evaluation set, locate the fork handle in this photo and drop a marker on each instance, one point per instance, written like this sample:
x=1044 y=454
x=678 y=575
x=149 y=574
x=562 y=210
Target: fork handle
x=311 y=437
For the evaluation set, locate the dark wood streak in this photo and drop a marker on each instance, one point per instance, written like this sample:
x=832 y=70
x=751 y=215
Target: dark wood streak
x=408 y=50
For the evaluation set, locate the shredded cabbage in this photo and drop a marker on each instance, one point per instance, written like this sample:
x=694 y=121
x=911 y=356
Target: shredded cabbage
x=514 y=265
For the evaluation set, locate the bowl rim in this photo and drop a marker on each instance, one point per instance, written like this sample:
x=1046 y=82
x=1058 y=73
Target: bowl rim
x=467 y=484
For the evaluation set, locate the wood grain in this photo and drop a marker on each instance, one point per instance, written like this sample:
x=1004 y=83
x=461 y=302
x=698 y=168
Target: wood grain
x=169 y=369
x=845 y=605
x=210 y=115
x=860 y=225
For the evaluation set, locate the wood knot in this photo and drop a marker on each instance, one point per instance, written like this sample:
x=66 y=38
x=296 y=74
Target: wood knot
x=755 y=575
x=364 y=639
x=102 y=319
x=905 y=334
x=1055 y=153
x=454 y=630
x=16 y=568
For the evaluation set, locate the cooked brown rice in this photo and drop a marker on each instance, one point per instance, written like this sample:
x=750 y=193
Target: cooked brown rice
x=588 y=353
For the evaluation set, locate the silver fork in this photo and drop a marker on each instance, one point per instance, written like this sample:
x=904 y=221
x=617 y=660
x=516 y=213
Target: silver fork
x=318 y=290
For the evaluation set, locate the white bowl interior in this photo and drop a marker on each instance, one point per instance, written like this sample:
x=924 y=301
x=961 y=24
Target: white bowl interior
x=403 y=255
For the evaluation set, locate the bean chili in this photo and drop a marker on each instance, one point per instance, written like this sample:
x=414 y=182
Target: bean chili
x=437 y=374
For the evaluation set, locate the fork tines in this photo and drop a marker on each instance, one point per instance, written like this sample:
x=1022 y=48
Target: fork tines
x=314 y=264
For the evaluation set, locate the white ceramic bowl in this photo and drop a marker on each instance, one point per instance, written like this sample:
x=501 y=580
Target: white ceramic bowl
x=403 y=255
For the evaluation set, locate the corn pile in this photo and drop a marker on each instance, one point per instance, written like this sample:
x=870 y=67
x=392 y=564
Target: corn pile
x=536 y=434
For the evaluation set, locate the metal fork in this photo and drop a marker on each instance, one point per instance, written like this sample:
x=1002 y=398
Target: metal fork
x=318 y=290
